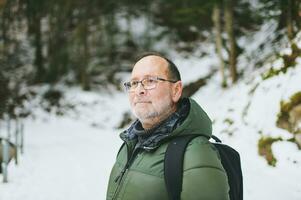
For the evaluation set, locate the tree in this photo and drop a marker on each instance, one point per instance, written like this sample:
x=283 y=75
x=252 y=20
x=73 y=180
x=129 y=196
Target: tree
x=286 y=12
x=216 y=17
x=229 y=26
x=35 y=11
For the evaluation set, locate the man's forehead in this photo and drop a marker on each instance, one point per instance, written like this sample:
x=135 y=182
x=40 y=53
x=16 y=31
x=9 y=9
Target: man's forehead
x=150 y=66
x=152 y=58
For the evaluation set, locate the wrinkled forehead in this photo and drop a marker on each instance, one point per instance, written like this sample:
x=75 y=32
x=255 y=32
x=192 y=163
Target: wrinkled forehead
x=150 y=66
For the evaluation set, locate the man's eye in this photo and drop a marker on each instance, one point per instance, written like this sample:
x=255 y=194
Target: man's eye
x=134 y=83
x=149 y=81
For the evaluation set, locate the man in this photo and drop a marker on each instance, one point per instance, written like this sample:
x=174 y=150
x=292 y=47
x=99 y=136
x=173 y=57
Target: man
x=154 y=93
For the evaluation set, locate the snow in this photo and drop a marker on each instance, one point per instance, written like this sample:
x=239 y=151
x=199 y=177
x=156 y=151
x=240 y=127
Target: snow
x=66 y=157
x=193 y=68
x=62 y=160
x=70 y=157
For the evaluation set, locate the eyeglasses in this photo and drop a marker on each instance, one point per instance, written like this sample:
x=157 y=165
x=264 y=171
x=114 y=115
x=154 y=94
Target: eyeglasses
x=148 y=83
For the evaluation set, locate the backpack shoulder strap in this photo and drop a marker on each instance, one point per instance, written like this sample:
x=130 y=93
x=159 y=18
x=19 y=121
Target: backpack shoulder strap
x=173 y=165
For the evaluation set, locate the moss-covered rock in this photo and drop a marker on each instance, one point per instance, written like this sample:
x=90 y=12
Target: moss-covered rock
x=265 y=149
x=298 y=140
x=288 y=62
x=289 y=117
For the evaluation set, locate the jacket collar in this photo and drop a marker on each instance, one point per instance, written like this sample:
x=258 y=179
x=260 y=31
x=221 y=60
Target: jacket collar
x=150 y=139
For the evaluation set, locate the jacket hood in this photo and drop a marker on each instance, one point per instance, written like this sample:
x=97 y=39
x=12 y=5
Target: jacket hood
x=190 y=118
x=197 y=121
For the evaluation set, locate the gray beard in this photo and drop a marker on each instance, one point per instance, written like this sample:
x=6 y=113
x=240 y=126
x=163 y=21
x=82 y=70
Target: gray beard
x=165 y=112
x=146 y=116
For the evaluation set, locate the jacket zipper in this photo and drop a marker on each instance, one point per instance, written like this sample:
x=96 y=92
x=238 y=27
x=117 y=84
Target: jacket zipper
x=120 y=177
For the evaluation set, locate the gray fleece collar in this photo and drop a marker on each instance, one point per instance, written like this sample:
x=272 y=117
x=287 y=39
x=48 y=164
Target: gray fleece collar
x=150 y=139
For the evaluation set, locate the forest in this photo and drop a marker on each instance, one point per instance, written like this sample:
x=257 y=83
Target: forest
x=87 y=43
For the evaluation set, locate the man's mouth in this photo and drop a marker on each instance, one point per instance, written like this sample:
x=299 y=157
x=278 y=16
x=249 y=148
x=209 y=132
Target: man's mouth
x=142 y=102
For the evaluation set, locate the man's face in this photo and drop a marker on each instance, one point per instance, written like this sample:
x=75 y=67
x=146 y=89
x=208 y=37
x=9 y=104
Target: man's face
x=151 y=105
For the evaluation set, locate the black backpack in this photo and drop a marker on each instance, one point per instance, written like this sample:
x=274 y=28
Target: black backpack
x=174 y=157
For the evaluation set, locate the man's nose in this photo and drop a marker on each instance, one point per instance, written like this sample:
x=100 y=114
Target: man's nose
x=140 y=89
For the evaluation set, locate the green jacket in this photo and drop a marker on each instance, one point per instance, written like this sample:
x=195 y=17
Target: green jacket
x=143 y=177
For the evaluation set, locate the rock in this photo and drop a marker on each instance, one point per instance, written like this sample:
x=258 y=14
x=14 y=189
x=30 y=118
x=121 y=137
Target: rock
x=298 y=140
x=12 y=152
x=295 y=118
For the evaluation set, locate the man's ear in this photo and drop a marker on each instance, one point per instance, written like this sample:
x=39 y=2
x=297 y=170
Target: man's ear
x=177 y=91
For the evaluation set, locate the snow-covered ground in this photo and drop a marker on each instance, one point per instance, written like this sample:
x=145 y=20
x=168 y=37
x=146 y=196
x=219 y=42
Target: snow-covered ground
x=63 y=159
x=67 y=157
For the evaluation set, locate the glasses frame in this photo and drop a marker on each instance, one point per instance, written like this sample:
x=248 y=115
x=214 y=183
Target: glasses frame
x=128 y=88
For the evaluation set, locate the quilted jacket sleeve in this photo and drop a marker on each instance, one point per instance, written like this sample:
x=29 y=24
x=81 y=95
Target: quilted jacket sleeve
x=204 y=177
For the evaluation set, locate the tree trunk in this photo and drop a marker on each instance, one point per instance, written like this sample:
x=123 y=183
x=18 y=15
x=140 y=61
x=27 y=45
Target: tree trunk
x=216 y=17
x=111 y=31
x=5 y=13
x=297 y=12
x=84 y=50
x=289 y=21
x=38 y=62
x=148 y=42
x=83 y=72
x=231 y=39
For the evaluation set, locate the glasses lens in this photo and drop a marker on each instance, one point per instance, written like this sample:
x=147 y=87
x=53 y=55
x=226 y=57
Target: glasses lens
x=149 y=83
x=133 y=84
